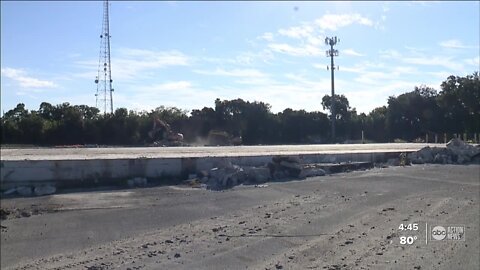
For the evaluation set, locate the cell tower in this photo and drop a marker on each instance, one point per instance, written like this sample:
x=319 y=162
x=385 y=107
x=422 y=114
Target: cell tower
x=331 y=53
x=104 y=95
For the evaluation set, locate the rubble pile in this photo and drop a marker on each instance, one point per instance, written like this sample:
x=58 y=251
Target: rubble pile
x=283 y=167
x=228 y=175
x=32 y=190
x=456 y=152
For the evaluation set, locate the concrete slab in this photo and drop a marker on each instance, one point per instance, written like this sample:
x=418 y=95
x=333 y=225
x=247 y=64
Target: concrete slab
x=67 y=167
x=343 y=221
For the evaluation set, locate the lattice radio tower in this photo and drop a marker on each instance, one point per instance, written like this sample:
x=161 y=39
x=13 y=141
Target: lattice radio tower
x=104 y=95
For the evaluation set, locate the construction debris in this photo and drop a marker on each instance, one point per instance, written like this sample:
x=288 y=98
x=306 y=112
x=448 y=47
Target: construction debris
x=280 y=168
x=44 y=190
x=456 y=152
x=311 y=171
x=283 y=167
x=226 y=177
x=26 y=191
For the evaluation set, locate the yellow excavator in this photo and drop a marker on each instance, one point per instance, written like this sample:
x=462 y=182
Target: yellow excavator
x=162 y=135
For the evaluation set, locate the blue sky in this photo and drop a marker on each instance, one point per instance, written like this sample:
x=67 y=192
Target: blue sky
x=186 y=54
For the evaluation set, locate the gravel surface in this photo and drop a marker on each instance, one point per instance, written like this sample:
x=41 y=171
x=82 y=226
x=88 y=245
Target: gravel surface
x=343 y=221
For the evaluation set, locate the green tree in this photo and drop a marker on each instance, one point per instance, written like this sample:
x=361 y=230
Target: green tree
x=460 y=101
x=413 y=114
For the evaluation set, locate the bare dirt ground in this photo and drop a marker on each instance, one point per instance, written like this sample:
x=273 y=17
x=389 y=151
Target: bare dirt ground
x=342 y=221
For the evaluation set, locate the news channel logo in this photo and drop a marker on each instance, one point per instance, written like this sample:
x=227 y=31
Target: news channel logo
x=454 y=232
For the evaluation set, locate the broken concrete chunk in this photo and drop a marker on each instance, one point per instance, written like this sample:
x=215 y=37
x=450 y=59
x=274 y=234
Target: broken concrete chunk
x=424 y=155
x=289 y=159
x=25 y=190
x=10 y=191
x=226 y=177
x=311 y=172
x=283 y=167
x=257 y=174
x=44 y=190
x=464 y=151
x=456 y=151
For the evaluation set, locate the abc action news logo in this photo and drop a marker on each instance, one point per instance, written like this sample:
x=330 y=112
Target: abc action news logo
x=456 y=232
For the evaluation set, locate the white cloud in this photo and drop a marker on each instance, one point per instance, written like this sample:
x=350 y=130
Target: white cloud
x=132 y=64
x=171 y=86
x=267 y=36
x=24 y=80
x=351 y=52
x=244 y=58
x=473 y=61
x=312 y=34
x=303 y=31
x=440 y=74
x=335 y=21
x=453 y=44
x=305 y=50
x=390 y=54
x=434 y=61
x=181 y=94
x=232 y=73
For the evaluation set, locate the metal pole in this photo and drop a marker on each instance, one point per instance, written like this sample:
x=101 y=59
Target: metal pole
x=332 y=52
x=334 y=117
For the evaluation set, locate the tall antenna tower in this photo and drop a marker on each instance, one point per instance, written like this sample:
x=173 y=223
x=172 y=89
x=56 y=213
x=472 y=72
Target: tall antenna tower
x=104 y=95
x=331 y=53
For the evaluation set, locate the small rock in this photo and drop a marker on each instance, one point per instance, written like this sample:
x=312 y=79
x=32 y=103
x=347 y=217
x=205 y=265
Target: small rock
x=44 y=190
x=311 y=172
x=25 y=191
x=10 y=191
x=177 y=255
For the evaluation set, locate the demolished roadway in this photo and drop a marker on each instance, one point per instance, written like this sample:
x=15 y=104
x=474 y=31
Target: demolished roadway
x=341 y=221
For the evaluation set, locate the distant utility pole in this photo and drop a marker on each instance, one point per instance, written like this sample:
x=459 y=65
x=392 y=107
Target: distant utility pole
x=331 y=53
x=104 y=77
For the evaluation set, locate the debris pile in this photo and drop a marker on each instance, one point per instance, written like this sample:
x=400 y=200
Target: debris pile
x=32 y=190
x=456 y=152
x=229 y=175
x=311 y=170
x=226 y=177
x=283 y=167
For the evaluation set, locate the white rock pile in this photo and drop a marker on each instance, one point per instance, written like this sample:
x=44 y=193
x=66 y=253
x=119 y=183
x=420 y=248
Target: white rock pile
x=456 y=152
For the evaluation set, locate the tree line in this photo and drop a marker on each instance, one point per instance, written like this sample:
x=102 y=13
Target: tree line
x=409 y=116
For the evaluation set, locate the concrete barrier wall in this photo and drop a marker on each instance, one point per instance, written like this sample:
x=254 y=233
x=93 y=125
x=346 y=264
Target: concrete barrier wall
x=84 y=172
x=64 y=173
